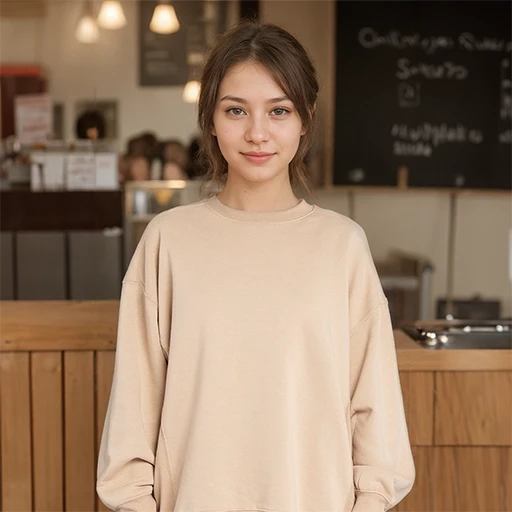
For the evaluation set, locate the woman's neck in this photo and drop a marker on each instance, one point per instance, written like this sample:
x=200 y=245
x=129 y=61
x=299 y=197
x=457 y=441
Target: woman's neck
x=258 y=201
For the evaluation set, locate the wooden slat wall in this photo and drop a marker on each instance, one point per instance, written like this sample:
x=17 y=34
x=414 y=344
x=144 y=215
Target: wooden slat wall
x=104 y=373
x=16 y=435
x=52 y=409
x=47 y=433
x=53 y=405
x=79 y=432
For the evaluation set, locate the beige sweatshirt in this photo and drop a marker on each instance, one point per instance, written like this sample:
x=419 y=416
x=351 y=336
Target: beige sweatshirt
x=255 y=369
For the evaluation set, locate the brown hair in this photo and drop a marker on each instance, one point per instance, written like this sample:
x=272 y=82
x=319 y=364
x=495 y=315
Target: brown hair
x=290 y=66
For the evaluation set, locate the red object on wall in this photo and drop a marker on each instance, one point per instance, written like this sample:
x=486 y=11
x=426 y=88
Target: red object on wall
x=16 y=80
x=20 y=70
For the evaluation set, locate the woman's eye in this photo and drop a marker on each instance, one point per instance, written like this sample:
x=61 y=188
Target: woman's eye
x=280 y=112
x=235 y=111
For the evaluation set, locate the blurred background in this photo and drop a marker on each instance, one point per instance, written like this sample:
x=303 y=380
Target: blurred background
x=413 y=137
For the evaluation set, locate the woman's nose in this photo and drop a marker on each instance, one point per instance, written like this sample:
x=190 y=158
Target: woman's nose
x=257 y=129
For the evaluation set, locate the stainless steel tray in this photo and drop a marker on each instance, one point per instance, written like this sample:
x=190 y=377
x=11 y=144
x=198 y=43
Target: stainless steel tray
x=461 y=334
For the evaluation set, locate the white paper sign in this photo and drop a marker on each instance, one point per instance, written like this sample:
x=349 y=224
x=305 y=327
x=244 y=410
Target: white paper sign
x=81 y=171
x=106 y=171
x=33 y=115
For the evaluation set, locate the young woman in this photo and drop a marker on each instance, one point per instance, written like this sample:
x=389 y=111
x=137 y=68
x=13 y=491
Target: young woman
x=255 y=365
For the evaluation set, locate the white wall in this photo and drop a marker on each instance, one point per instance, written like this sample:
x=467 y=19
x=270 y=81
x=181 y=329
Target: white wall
x=105 y=70
x=416 y=222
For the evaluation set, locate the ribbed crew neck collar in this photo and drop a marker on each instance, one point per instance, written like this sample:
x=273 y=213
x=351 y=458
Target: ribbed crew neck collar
x=298 y=211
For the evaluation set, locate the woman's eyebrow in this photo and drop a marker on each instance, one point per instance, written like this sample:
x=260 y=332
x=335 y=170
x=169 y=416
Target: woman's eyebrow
x=236 y=99
x=233 y=98
x=279 y=99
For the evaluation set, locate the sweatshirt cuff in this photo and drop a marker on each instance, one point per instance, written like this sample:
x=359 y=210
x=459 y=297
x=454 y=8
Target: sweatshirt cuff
x=144 y=503
x=369 y=502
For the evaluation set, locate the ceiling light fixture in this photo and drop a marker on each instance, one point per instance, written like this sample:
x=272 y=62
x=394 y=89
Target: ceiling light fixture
x=191 y=91
x=164 y=20
x=111 y=15
x=87 y=30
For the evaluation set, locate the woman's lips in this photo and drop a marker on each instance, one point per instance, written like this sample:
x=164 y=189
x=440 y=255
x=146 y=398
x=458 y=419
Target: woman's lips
x=258 y=158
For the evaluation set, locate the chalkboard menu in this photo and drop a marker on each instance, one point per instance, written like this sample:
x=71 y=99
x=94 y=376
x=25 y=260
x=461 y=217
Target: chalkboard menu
x=423 y=89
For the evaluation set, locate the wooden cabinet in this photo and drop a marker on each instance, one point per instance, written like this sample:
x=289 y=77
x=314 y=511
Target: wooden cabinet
x=473 y=409
x=418 y=396
x=460 y=428
x=53 y=405
x=458 y=478
x=56 y=368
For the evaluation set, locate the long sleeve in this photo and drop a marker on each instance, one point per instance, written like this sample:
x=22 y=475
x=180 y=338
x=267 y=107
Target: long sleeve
x=383 y=465
x=128 y=444
x=125 y=476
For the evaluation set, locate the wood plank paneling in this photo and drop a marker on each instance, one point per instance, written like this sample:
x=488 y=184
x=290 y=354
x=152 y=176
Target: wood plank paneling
x=16 y=423
x=473 y=408
x=506 y=480
x=79 y=454
x=27 y=326
x=104 y=373
x=470 y=479
x=418 y=396
x=47 y=435
x=420 y=497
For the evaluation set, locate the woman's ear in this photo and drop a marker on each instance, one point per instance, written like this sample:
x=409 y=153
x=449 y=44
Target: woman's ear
x=214 y=132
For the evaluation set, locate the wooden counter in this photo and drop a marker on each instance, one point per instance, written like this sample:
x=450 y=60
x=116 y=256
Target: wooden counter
x=92 y=325
x=57 y=360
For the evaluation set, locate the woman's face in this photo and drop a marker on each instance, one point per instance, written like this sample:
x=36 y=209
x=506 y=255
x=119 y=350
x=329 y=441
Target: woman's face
x=257 y=127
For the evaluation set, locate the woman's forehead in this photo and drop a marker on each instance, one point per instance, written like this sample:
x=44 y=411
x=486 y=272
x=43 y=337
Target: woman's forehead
x=249 y=79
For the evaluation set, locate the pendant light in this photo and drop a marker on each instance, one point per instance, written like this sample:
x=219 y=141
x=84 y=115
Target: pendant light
x=164 y=20
x=193 y=86
x=87 y=30
x=191 y=91
x=111 y=15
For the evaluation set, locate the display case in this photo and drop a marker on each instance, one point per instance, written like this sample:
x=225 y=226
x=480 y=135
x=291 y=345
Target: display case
x=143 y=200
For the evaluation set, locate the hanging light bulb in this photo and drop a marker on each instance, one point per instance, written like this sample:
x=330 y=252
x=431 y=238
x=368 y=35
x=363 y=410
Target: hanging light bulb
x=191 y=91
x=87 y=29
x=111 y=15
x=164 y=20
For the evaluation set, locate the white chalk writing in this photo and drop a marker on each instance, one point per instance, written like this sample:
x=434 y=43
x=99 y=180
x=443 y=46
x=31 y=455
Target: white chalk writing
x=370 y=38
x=411 y=149
x=447 y=70
x=422 y=139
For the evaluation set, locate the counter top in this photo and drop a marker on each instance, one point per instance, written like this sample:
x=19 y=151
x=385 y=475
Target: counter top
x=92 y=325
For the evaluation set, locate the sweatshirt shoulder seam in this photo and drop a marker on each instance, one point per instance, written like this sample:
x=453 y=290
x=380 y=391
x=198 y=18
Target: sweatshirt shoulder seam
x=366 y=317
x=143 y=290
